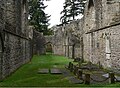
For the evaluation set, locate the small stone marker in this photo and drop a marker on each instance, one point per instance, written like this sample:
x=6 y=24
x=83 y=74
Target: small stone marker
x=87 y=79
x=112 y=77
x=79 y=74
x=75 y=70
x=43 y=71
x=71 y=67
x=74 y=80
x=55 y=71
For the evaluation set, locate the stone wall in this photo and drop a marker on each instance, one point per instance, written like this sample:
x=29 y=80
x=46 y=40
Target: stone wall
x=38 y=43
x=101 y=27
x=67 y=39
x=2 y=22
x=58 y=41
x=102 y=47
x=97 y=34
x=15 y=42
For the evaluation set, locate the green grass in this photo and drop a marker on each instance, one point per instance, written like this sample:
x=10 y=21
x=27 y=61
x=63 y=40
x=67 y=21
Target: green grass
x=27 y=75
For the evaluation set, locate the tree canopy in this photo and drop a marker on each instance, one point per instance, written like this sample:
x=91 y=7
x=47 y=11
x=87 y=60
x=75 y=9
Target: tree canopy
x=38 y=18
x=71 y=9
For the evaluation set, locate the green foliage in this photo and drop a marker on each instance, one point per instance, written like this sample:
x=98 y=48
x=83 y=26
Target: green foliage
x=71 y=9
x=38 y=18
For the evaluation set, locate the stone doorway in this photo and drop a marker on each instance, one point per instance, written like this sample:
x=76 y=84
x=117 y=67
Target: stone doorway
x=49 y=47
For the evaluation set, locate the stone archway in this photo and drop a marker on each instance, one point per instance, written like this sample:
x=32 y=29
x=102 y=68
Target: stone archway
x=49 y=47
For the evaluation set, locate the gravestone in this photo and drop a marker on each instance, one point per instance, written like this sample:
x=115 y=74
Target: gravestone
x=43 y=71
x=55 y=71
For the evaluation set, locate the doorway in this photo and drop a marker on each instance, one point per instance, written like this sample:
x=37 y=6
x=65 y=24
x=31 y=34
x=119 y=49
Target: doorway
x=49 y=48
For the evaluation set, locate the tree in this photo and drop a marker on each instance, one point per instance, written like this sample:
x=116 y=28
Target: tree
x=72 y=8
x=65 y=17
x=38 y=18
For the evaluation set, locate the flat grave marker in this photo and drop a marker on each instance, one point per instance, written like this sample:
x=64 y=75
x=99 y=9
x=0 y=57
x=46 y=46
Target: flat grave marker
x=55 y=71
x=43 y=71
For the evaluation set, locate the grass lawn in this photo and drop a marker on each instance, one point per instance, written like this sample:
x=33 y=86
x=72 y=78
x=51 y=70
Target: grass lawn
x=27 y=75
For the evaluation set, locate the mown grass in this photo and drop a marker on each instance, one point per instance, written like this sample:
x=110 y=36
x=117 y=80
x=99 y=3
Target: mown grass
x=27 y=75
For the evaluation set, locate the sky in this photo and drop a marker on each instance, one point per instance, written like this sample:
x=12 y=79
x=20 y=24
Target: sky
x=54 y=8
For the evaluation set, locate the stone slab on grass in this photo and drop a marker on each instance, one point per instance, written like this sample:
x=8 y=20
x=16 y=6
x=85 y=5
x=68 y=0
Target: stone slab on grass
x=74 y=80
x=43 y=71
x=55 y=71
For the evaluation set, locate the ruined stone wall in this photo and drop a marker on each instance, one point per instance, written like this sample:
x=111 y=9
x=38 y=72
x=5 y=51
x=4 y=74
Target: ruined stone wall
x=38 y=43
x=67 y=39
x=97 y=34
x=101 y=13
x=58 y=41
x=17 y=52
x=16 y=43
x=102 y=47
x=100 y=39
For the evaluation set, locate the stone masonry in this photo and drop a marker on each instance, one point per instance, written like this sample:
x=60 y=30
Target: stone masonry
x=101 y=27
x=38 y=43
x=15 y=42
x=97 y=34
x=67 y=39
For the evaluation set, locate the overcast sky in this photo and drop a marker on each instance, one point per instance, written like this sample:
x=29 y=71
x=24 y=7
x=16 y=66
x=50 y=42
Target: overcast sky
x=54 y=8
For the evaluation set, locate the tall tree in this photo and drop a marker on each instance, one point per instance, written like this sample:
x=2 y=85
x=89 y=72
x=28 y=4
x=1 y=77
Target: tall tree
x=38 y=18
x=65 y=17
x=72 y=8
x=77 y=7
